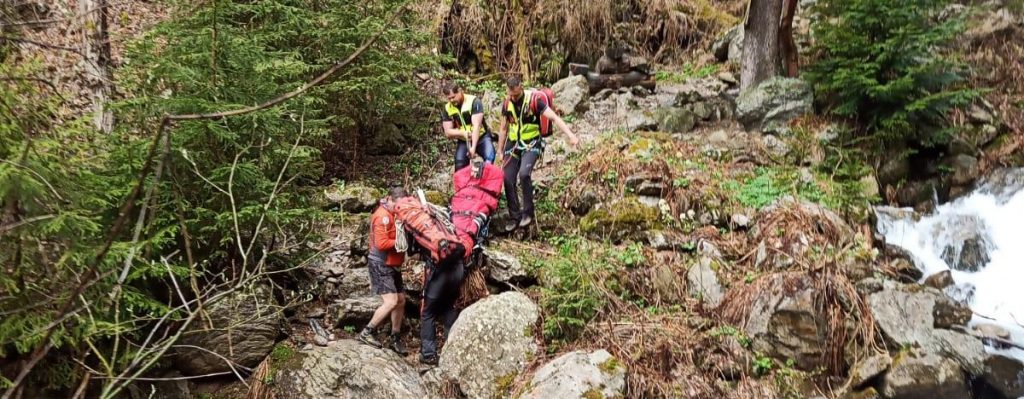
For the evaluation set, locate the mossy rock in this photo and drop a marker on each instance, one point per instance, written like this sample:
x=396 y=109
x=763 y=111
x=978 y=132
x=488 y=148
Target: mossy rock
x=619 y=220
x=354 y=198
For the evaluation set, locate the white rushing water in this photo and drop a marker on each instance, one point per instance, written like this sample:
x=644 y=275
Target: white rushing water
x=992 y=215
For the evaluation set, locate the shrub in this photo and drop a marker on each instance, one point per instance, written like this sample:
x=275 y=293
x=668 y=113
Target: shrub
x=881 y=63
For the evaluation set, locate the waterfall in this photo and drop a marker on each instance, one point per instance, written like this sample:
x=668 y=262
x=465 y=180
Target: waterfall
x=979 y=238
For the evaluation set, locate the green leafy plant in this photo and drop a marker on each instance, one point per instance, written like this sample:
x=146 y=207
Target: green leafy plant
x=762 y=364
x=881 y=62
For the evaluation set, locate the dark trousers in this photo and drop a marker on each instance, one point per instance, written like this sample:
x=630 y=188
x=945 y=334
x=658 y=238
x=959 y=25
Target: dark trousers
x=439 y=295
x=519 y=163
x=484 y=148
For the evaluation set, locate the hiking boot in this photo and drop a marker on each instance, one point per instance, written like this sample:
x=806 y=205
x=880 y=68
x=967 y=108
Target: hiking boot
x=397 y=345
x=367 y=337
x=428 y=360
x=526 y=221
x=511 y=225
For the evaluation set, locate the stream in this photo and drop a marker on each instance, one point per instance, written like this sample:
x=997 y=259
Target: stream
x=979 y=238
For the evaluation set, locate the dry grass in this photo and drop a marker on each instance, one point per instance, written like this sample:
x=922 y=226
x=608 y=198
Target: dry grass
x=524 y=36
x=998 y=63
x=258 y=388
x=474 y=288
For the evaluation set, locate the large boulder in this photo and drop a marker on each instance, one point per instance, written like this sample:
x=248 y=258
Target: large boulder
x=729 y=46
x=490 y=344
x=354 y=198
x=786 y=324
x=676 y=120
x=702 y=282
x=771 y=105
x=243 y=328
x=917 y=375
x=355 y=302
x=619 y=220
x=347 y=369
x=968 y=242
x=1005 y=375
x=579 y=375
x=965 y=169
x=572 y=94
x=506 y=268
x=918 y=316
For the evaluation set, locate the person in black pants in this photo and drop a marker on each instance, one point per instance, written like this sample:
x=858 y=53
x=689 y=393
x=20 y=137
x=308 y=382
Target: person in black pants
x=440 y=291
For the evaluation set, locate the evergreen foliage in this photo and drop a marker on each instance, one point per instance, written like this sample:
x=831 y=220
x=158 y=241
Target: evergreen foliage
x=882 y=63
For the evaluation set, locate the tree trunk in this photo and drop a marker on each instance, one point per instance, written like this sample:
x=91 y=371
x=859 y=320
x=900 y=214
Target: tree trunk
x=96 y=46
x=789 y=50
x=762 y=52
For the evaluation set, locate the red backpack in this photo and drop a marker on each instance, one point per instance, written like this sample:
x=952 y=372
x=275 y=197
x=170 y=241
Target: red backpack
x=429 y=232
x=546 y=94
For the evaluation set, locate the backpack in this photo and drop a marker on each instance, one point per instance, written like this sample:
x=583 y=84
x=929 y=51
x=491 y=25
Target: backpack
x=430 y=232
x=548 y=96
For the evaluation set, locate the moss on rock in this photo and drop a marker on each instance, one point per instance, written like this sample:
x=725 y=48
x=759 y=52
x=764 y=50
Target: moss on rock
x=619 y=220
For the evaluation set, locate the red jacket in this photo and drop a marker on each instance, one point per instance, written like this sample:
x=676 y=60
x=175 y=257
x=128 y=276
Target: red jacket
x=382 y=238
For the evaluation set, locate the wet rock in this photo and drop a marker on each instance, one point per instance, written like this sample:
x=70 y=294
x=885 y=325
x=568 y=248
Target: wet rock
x=771 y=105
x=991 y=331
x=722 y=45
x=243 y=328
x=940 y=280
x=355 y=198
x=702 y=282
x=619 y=220
x=572 y=94
x=867 y=369
x=916 y=316
x=965 y=169
x=579 y=375
x=1003 y=183
x=1005 y=374
x=894 y=170
x=968 y=248
x=924 y=376
x=490 y=344
x=347 y=369
x=676 y=120
x=918 y=192
x=506 y=268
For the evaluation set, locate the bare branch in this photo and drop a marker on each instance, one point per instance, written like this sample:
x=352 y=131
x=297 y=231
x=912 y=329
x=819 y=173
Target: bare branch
x=41 y=44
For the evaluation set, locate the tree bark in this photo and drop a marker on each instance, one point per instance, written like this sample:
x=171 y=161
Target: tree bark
x=762 y=52
x=789 y=50
x=96 y=46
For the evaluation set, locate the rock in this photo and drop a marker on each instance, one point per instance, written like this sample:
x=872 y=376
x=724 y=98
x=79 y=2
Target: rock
x=867 y=369
x=619 y=220
x=868 y=393
x=906 y=270
x=965 y=169
x=646 y=184
x=991 y=331
x=667 y=283
x=668 y=240
x=702 y=282
x=771 y=105
x=583 y=203
x=917 y=192
x=572 y=94
x=894 y=170
x=924 y=376
x=1002 y=183
x=490 y=344
x=701 y=110
x=979 y=114
x=169 y=389
x=579 y=375
x=244 y=327
x=968 y=242
x=940 y=280
x=1005 y=374
x=960 y=146
x=640 y=121
x=776 y=147
x=993 y=23
x=355 y=198
x=721 y=46
x=355 y=303
x=728 y=78
x=740 y=220
x=506 y=268
x=915 y=315
x=786 y=324
x=676 y=120
x=347 y=369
